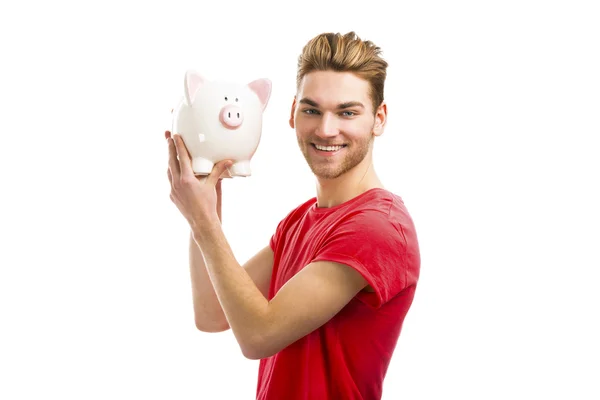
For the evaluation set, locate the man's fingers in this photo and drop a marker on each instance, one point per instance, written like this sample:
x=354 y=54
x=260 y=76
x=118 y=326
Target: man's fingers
x=185 y=163
x=217 y=171
x=167 y=134
x=173 y=163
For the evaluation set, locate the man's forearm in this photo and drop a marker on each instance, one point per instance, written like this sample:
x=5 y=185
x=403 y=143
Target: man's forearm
x=242 y=302
x=208 y=314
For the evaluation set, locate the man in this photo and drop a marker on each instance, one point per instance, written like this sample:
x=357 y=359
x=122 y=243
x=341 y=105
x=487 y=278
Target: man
x=322 y=305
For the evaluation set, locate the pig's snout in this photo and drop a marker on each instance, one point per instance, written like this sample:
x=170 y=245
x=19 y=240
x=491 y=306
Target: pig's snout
x=231 y=116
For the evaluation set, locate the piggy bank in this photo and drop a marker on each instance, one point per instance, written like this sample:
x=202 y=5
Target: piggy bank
x=220 y=120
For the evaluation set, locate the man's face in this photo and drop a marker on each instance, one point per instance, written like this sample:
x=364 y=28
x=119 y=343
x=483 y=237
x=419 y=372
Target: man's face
x=335 y=126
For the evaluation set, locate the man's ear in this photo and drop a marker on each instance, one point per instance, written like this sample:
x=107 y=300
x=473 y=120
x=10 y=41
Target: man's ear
x=380 y=119
x=292 y=113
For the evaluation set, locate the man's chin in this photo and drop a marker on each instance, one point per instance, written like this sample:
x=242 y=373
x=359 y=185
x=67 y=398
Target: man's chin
x=326 y=173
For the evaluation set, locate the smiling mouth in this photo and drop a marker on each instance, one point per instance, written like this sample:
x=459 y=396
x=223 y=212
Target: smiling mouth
x=330 y=149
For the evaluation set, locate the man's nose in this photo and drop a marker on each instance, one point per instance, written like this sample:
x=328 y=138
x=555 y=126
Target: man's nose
x=327 y=126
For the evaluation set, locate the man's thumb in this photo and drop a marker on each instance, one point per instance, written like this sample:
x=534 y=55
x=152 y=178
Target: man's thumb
x=226 y=164
x=223 y=168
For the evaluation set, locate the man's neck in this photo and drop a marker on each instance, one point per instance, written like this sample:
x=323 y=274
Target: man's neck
x=333 y=192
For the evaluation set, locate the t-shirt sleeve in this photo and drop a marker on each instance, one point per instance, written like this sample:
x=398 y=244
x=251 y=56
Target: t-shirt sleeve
x=283 y=225
x=374 y=246
x=279 y=230
x=276 y=235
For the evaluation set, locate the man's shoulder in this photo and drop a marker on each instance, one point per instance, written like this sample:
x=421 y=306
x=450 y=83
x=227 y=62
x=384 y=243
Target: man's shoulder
x=378 y=209
x=379 y=201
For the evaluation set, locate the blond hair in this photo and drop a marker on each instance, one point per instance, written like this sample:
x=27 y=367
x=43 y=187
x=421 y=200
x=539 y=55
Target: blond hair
x=345 y=53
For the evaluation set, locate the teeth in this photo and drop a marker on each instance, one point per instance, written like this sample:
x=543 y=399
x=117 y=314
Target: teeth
x=328 y=148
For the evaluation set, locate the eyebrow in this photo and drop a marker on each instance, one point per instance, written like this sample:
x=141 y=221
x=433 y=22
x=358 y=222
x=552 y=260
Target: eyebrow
x=341 y=106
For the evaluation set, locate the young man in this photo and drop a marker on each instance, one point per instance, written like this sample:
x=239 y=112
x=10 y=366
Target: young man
x=322 y=305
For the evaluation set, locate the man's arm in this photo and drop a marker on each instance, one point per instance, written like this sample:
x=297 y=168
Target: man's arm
x=261 y=327
x=208 y=314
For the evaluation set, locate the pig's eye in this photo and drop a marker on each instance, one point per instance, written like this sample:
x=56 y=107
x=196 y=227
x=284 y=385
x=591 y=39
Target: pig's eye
x=225 y=98
x=236 y=99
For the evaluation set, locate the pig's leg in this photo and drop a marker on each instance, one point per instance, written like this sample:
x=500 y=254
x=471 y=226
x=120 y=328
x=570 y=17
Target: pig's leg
x=240 y=168
x=202 y=166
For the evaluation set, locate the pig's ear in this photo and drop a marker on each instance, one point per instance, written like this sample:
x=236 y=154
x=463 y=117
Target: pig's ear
x=193 y=82
x=262 y=88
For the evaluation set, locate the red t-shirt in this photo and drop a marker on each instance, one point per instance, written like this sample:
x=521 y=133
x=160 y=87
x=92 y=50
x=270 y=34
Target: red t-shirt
x=347 y=357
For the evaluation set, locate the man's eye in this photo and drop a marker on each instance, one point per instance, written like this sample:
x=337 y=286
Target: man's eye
x=348 y=113
x=310 y=111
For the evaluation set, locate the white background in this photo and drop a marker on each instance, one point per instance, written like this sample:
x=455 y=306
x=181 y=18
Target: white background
x=491 y=142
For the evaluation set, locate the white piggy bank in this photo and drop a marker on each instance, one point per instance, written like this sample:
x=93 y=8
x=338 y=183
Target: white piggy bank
x=221 y=120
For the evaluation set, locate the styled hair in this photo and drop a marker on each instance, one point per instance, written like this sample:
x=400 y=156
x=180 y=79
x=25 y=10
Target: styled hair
x=345 y=53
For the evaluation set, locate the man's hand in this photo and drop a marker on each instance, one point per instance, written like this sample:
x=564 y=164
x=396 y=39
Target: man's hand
x=195 y=197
